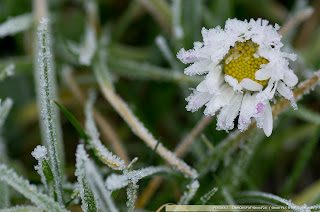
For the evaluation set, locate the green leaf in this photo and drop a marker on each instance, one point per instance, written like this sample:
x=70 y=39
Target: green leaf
x=75 y=123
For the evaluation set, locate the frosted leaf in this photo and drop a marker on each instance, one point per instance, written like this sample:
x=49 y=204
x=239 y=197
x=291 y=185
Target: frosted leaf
x=205 y=198
x=100 y=150
x=46 y=93
x=189 y=193
x=88 y=49
x=114 y=181
x=165 y=50
x=132 y=196
x=29 y=191
x=89 y=201
x=97 y=185
x=23 y=208
x=16 y=24
x=6 y=71
x=39 y=152
x=4 y=110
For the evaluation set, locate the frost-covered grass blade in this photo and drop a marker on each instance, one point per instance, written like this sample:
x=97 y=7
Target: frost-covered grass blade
x=16 y=24
x=29 y=191
x=44 y=74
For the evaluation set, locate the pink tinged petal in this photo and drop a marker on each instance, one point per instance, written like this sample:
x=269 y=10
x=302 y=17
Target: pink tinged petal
x=198 y=67
x=202 y=87
x=197 y=100
x=262 y=74
x=267 y=120
x=290 y=78
x=260 y=108
x=251 y=85
x=284 y=91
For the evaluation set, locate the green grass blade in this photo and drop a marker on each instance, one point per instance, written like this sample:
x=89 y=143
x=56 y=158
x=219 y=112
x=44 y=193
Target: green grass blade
x=75 y=123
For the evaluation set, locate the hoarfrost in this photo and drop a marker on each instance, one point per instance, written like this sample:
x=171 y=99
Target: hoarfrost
x=96 y=183
x=100 y=150
x=4 y=110
x=39 y=152
x=189 y=193
x=15 y=25
x=7 y=71
x=89 y=201
x=205 y=198
x=29 y=191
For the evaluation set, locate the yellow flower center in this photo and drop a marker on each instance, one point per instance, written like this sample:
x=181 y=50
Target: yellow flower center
x=241 y=63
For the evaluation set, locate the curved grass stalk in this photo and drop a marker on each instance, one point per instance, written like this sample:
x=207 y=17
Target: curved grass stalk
x=137 y=127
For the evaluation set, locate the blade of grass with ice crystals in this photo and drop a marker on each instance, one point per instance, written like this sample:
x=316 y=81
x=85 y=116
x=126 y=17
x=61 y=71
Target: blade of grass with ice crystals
x=166 y=52
x=23 y=209
x=4 y=110
x=115 y=181
x=205 y=198
x=46 y=92
x=75 y=123
x=131 y=195
x=4 y=189
x=99 y=149
x=97 y=185
x=301 y=162
x=189 y=193
x=89 y=202
x=6 y=71
x=16 y=24
x=29 y=191
x=137 y=127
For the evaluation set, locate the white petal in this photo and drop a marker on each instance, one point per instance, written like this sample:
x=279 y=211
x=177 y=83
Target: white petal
x=198 y=67
x=215 y=104
x=247 y=111
x=229 y=113
x=227 y=92
x=284 y=90
x=267 y=120
x=202 y=87
x=213 y=80
x=233 y=83
x=290 y=79
x=250 y=85
x=262 y=74
x=197 y=100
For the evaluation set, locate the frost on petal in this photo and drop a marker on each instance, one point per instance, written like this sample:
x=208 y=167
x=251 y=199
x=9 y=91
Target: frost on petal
x=267 y=120
x=233 y=83
x=214 y=79
x=290 y=78
x=262 y=74
x=202 y=87
x=284 y=91
x=247 y=111
x=191 y=55
x=198 y=67
x=229 y=113
x=197 y=100
x=215 y=104
x=251 y=85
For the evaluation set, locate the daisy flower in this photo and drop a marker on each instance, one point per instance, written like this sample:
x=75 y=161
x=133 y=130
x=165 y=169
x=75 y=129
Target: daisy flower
x=244 y=69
